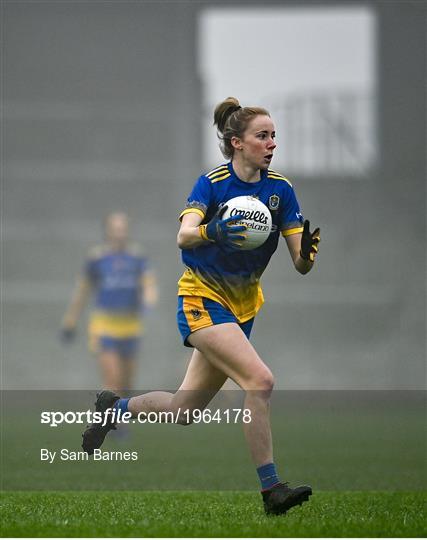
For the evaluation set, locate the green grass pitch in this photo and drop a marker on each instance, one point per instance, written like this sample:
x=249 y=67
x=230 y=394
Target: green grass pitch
x=210 y=514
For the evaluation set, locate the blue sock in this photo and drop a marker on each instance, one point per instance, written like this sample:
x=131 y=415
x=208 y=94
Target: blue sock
x=121 y=405
x=268 y=475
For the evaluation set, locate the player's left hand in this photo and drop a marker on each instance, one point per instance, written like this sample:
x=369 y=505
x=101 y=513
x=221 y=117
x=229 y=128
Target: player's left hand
x=309 y=242
x=67 y=335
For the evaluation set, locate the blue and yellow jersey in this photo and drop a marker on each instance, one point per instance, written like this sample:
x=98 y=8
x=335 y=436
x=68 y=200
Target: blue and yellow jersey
x=116 y=278
x=232 y=277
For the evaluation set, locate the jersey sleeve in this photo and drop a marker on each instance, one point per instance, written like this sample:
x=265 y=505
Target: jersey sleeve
x=291 y=218
x=199 y=199
x=144 y=265
x=89 y=269
x=91 y=263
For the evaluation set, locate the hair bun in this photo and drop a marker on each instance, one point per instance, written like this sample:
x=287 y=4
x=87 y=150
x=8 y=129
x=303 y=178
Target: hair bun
x=224 y=110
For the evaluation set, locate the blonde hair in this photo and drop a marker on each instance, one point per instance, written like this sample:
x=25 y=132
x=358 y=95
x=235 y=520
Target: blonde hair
x=232 y=120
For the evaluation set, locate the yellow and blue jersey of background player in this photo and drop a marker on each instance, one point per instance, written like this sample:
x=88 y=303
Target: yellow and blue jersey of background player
x=231 y=278
x=116 y=277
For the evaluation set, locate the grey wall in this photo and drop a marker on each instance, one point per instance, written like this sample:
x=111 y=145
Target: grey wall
x=101 y=109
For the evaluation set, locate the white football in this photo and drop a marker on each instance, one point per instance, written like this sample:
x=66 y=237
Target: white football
x=257 y=219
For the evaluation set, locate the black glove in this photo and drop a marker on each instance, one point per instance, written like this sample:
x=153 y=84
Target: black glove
x=220 y=231
x=67 y=335
x=309 y=242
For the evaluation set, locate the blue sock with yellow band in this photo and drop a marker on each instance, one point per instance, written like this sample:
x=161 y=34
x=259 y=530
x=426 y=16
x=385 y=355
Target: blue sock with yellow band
x=268 y=476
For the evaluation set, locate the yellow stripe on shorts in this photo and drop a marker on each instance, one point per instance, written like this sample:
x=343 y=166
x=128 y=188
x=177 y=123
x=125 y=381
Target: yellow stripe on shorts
x=195 y=313
x=118 y=326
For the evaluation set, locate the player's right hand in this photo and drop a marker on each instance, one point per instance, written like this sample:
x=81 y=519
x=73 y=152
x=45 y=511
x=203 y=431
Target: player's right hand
x=67 y=335
x=221 y=231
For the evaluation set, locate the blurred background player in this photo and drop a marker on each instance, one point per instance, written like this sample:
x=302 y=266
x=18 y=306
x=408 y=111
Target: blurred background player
x=116 y=275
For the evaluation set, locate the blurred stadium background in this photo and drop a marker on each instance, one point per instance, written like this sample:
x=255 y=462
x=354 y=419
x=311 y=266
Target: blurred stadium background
x=106 y=105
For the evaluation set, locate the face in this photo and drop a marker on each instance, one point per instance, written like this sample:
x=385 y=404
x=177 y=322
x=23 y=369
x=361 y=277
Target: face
x=117 y=228
x=257 y=145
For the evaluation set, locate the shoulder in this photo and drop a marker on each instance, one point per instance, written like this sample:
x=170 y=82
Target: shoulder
x=135 y=250
x=274 y=175
x=96 y=252
x=217 y=174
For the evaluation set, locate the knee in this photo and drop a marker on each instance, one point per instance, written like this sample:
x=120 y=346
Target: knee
x=263 y=381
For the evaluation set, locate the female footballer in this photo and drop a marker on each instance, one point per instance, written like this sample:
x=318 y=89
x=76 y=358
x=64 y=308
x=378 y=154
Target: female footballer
x=219 y=293
x=116 y=273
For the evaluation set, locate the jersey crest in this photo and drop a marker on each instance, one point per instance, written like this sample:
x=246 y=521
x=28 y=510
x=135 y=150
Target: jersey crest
x=273 y=202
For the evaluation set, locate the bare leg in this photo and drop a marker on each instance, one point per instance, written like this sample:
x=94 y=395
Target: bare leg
x=127 y=369
x=222 y=351
x=227 y=348
x=110 y=364
x=201 y=382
